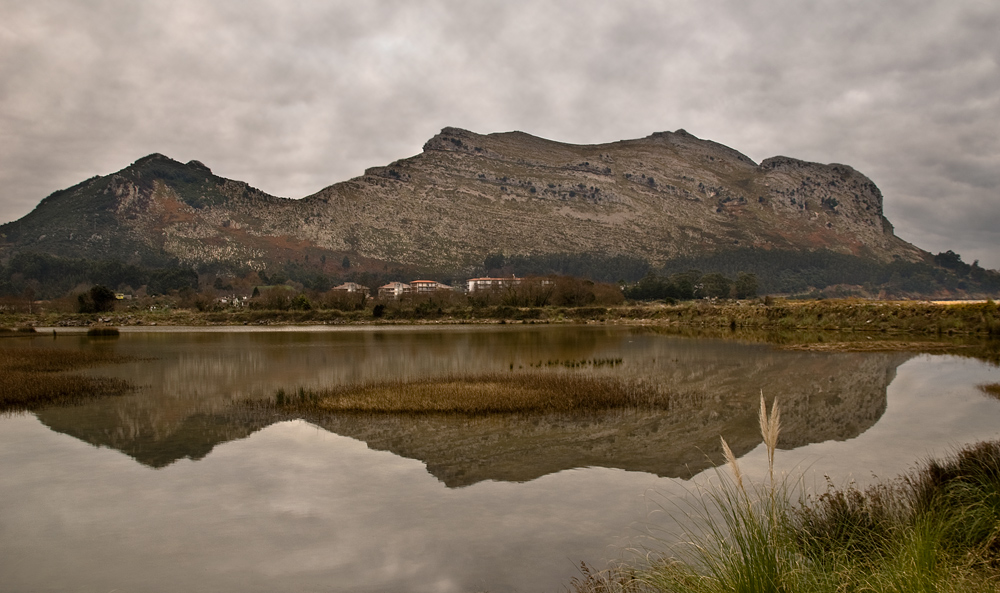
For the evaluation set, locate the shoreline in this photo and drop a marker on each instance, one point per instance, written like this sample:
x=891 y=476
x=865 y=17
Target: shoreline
x=965 y=317
x=966 y=329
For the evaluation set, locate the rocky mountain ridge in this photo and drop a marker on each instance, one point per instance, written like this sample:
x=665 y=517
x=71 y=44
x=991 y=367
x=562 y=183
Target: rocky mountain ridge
x=467 y=196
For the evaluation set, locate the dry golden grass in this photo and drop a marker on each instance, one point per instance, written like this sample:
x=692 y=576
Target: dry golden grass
x=31 y=378
x=482 y=394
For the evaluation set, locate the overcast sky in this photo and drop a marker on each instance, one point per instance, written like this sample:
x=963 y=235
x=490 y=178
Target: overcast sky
x=294 y=96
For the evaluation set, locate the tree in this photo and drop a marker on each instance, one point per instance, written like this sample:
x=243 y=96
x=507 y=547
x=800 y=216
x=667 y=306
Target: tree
x=650 y=287
x=345 y=263
x=494 y=261
x=953 y=261
x=685 y=284
x=715 y=285
x=98 y=300
x=301 y=303
x=745 y=286
x=104 y=298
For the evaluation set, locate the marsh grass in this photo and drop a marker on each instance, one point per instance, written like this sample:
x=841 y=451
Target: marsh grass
x=492 y=393
x=892 y=317
x=740 y=545
x=33 y=378
x=991 y=389
x=934 y=529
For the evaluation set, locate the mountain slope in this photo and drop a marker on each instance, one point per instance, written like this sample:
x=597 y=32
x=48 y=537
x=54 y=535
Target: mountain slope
x=466 y=196
x=660 y=197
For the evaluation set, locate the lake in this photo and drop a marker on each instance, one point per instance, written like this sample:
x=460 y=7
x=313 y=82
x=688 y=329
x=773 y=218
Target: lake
x=182 y=486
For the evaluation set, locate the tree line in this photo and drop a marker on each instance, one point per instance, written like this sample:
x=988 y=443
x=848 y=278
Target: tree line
x=692 y=284
x=735 y=273
x=43 y=276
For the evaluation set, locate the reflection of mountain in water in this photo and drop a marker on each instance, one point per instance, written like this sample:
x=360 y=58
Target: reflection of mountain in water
x=193 y=437
x=846 y=397
x=191 y=380
x=189 y=406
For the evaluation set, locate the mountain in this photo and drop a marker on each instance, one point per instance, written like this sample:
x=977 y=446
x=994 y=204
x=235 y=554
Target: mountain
x=658 y=198
x=467 y=196
x=154 y=211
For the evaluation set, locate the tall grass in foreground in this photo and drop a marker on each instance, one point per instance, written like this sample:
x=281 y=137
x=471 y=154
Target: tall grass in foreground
x=935 y=529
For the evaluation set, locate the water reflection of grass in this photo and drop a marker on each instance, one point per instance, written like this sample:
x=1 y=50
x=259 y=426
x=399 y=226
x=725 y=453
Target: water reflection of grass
x=32 y=378
x=492 y=393
x=992 y=389
x=575 y=364
x=103 y=332
x=935 y=529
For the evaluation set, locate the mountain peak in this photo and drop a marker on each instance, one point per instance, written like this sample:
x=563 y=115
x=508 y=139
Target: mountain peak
x=154 y=158
x=157 y=163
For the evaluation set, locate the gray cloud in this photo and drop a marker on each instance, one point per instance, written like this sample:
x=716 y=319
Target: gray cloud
x=292 y=97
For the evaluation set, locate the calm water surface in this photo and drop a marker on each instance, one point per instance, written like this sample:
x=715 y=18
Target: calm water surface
x=177 y=487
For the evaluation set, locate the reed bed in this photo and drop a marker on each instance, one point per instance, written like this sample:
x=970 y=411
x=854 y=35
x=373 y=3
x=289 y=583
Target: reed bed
x=935 y=529
x=862 y=316
x=33 y=378
x=493 y=393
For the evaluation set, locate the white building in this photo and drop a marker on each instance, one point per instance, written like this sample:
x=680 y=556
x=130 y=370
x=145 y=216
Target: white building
x=350 y=287
x=393 y=290
x=488 y=284
x=427 y=286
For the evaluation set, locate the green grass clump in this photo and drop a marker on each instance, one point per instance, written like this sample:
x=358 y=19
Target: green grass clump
x=32 y=378
x=495 y=393
x=935 y=529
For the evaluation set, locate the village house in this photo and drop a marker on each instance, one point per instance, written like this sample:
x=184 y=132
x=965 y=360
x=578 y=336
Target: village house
x=427 y=286
x=393 y=290
x=489 y=284
x=350 y=287
x=232 y=300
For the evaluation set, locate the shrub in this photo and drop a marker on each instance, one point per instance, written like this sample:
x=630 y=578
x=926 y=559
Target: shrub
x=98 y=300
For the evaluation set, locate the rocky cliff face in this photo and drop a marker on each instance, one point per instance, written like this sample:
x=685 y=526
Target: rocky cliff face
x=469 y=195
